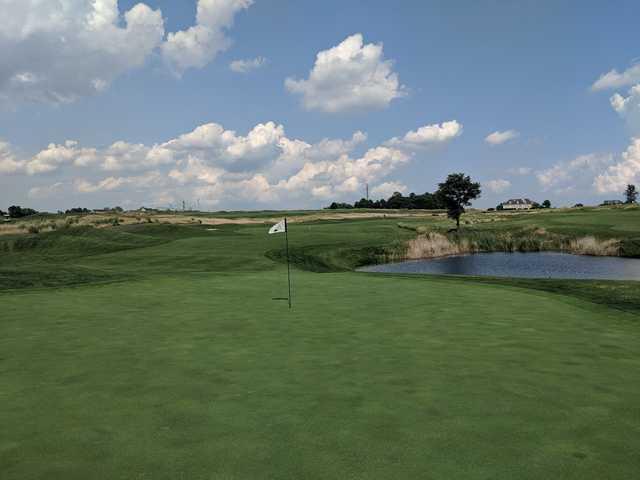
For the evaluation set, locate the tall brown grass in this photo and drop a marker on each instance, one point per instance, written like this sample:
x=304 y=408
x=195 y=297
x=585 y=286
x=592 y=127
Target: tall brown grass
x=433 y=244
x=594 y=246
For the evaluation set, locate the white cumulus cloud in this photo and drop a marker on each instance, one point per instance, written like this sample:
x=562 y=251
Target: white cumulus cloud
x=349 y=76
x=628 y=107
x=198 y=45
x=498 y=138
x=623 y=104
x=52 y=157
x=386 y=189
x=428 y=135
x=247 y=65
x=147 y=180
x=8 y=162
x=614 y=79
x=575 y=174
x=616 y=177
x=498 y=186
x=46 y=191
x=220 y=166
x=58 y=51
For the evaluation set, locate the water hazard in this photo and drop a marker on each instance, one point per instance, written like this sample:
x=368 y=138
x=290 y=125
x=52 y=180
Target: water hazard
x=522 y=265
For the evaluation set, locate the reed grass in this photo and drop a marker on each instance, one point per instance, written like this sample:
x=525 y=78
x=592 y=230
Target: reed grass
x=435 y=244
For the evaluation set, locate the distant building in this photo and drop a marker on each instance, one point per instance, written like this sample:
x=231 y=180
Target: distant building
x=6 y=217
x=147 y=210
x=612 y=202
x=518 y=204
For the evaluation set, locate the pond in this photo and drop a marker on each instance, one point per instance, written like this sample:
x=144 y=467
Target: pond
x=523 y=265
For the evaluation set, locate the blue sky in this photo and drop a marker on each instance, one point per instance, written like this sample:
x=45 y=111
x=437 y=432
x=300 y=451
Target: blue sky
x=139 y=116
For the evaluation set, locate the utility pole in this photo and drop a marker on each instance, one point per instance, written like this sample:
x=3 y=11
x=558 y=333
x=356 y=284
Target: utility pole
x=367 y=192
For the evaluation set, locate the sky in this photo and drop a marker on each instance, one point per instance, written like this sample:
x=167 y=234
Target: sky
x=256 y=104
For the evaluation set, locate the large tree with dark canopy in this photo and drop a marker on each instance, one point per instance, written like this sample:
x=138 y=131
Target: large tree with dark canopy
x=631 y=194
x=457 y=191
x=16 y=211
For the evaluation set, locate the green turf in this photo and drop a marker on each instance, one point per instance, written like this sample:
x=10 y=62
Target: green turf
x=176 y=362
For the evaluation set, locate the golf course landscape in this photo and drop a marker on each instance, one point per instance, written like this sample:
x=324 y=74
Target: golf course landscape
x=146 y=348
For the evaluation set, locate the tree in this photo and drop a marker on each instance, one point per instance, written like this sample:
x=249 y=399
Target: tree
x=336 y=205
x=77 y=210
x=631 y=194
x=546 y=204
x=363 y=203
x=15 y=211
x=425 y=201
x=457 y=191
x=397 y=201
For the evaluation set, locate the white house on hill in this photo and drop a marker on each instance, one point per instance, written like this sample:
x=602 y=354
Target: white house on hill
x=518 y=204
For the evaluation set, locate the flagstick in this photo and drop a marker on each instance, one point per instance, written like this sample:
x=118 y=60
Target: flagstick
x=286 y=241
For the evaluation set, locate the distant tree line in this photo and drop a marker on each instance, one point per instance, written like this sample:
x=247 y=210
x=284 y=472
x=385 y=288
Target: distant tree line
x=534 y=205
x=82 y=210
x=397 y=201
x=16 y=211
x=76 y=210
x=453 y=195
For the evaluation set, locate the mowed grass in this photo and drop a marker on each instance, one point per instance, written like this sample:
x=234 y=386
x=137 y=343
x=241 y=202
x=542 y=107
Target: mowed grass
x=603 y=222
x=183 y=366
x=619 y=222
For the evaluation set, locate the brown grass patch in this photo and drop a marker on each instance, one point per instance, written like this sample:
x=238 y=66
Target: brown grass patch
x=592 y=246
x=434 y=245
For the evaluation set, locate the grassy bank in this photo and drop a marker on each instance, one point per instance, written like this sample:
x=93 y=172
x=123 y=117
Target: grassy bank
x=604 y=232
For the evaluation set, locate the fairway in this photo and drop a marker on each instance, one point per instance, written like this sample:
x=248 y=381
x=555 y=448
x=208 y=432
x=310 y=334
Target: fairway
x=160 y=353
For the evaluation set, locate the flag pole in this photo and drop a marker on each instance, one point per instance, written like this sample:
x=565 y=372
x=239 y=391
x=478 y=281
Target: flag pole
x=286 y=241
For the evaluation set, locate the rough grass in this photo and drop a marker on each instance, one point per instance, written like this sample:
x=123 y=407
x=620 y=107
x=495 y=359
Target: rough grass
x=40 y=276
x=613 y=294
x=73 y=242
x=433 y=244
x=593 y=246
x=48 y=222
x=588 y=231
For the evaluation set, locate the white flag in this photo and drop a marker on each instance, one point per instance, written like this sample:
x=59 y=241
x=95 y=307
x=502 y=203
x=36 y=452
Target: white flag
x=279 y=227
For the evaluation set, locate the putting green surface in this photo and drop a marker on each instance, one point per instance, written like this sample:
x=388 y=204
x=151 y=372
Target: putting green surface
x=187 y=368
